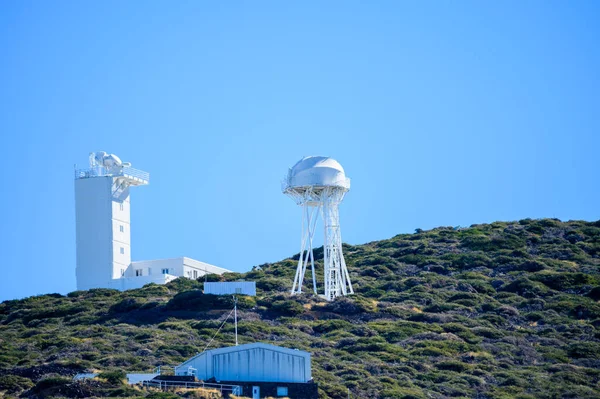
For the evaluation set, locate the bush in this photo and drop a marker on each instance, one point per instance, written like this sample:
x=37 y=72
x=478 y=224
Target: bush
x=272 y=284
x=594 y=293
x=563 y=281
x=331 y=325
x=469 y=260
x=196 y=300
x=402 y=393
x=452 y=365
x=288 y=308
x=487 y=332
x=14 y=384
x=584 y=350
x=526 y=288
x=350 y=306
x=162 y=395
x=52 y=383
x=127 y=305
x=113 y=377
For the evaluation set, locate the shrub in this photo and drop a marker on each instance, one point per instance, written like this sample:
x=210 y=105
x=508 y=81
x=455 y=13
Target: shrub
x=331 y=325
x=594 y=293
x=162 y=395
x=453 y=365
x=483 y=243
x=563 y=281
x=402 y=393
x=526 y=288
x=51 y=383
x=487 y=332
x=272 y=284
x=14 y=384
x=350 y=306
x=428 y=351
x=288 y=308
x=123 y=392
x=127 y=305
x=469 y=260
x=113 y=377
x=196 y=300
x=584 y=350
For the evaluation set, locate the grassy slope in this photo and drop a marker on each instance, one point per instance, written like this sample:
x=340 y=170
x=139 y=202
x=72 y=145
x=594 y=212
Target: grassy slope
x=501 y=310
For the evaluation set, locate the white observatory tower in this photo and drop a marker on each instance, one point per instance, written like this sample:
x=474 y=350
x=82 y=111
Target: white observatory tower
x=318 y=185
x=103 y=219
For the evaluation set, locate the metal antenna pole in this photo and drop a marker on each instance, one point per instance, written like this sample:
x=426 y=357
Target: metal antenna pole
x=235 y=318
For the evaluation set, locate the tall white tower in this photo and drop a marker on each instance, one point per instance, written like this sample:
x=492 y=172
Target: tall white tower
x=318 y=185
x=102 y=215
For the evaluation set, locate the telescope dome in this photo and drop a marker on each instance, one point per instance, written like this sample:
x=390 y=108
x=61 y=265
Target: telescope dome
x=319 y=172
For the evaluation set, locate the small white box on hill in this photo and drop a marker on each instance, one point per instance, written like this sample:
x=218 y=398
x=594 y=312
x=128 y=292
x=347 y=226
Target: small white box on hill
x=230 y=288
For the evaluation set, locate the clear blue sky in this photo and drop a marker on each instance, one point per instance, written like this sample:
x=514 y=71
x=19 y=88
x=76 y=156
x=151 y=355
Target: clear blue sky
x=442 y=113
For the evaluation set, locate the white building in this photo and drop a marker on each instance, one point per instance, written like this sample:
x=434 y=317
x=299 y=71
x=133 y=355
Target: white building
x=103 y=231
x=230 y=288
x=254 y=362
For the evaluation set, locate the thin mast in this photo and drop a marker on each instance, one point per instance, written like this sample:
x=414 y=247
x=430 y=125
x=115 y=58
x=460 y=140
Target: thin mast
x=235 y=318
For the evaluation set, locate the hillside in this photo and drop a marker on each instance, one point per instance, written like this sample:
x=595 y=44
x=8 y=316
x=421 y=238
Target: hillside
x=501 y=310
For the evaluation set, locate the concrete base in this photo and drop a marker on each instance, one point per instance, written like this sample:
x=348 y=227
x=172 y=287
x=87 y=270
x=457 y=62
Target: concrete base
x=308 y=390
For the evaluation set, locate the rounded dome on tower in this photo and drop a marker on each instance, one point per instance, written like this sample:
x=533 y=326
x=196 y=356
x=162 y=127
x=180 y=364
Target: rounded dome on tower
x=317 y=171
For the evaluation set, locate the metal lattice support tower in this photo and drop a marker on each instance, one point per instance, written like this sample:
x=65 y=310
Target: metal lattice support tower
x=337 y=279
x=310 y=216
x=320 y=198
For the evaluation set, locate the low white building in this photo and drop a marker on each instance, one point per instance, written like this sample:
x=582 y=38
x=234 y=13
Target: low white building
x=103 y=231
x=254 y=362
x=161 y=271
x=230 y=288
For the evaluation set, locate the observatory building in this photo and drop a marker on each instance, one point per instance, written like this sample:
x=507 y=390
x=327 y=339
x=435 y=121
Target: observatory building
x=103 y=225
x=261 y=370
x=318 y=185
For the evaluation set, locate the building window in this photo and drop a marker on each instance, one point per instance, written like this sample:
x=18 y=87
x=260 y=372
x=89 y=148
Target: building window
x=195 y=273
x=282 y=391
x=121 y=206
x=149 y=271
x=139 y=272
x=238 y=290
x=121 y=229
x=122 y=272
x=122 y=251
x=165 y=271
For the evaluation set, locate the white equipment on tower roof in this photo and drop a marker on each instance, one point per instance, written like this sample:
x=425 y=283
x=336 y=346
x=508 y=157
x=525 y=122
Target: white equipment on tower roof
x=318 y=185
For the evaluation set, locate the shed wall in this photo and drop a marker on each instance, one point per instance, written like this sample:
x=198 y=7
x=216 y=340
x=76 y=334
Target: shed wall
x=230 y=288
x=259 y=364
x=250 y=362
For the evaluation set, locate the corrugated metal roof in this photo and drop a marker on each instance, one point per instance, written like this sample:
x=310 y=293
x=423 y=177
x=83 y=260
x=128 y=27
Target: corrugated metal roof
x=296 y=352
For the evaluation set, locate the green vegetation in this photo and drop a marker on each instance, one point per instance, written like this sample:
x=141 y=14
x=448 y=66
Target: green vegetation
x=501 y=310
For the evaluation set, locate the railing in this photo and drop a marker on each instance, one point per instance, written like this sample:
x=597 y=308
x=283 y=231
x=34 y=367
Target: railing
x=117 y=171
x=164 y=385
x=135 y=173
x=344 y=183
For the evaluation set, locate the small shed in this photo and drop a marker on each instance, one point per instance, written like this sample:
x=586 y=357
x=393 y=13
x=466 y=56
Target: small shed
x=250 y=362
x=230 y=288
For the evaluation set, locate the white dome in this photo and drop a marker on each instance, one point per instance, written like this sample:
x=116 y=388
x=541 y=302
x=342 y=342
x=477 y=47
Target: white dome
x=317 y=171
